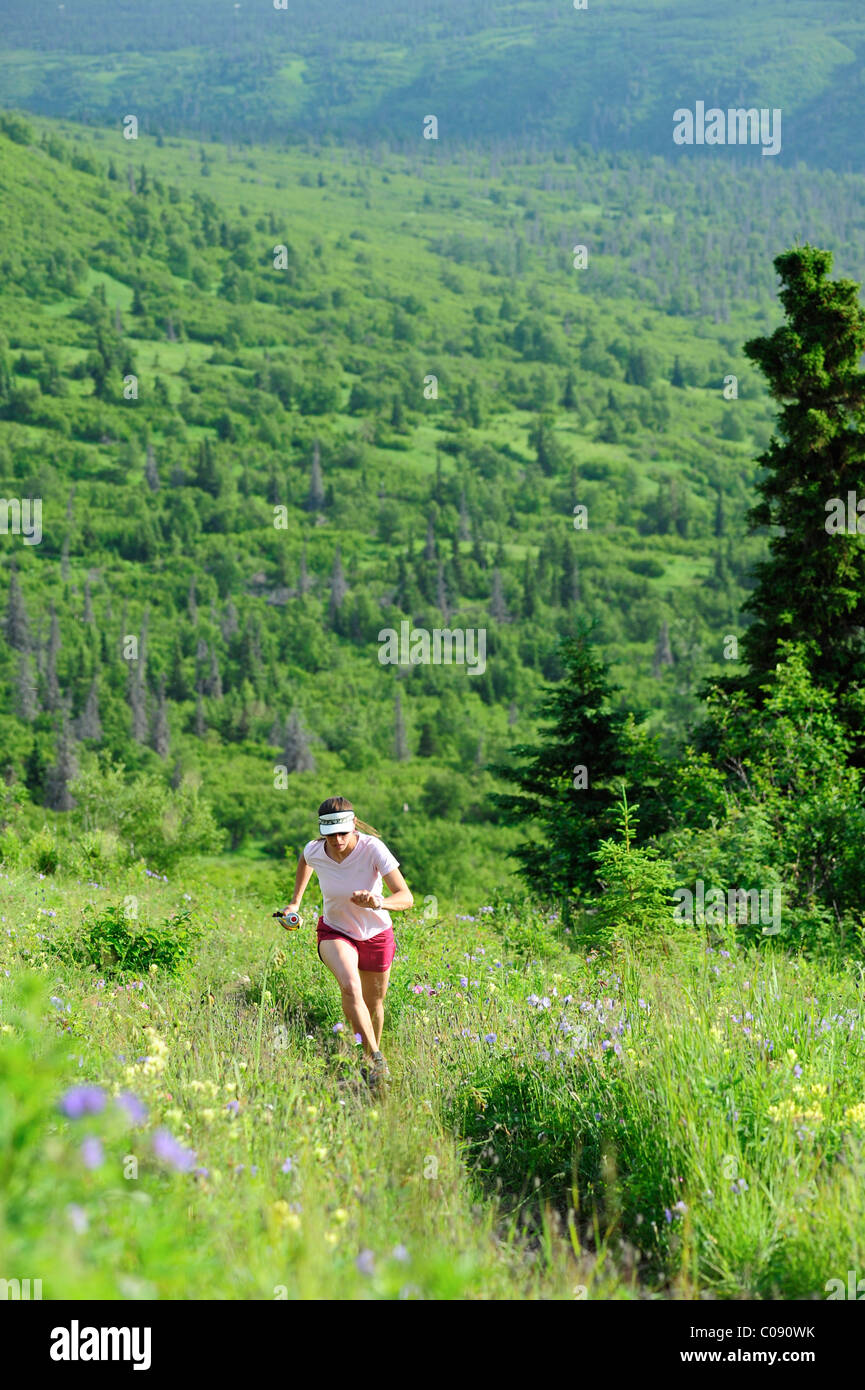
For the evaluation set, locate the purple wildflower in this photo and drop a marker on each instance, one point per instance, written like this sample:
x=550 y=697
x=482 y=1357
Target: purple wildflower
x=166 y=1147
x=92 y=1153
x=77 y=1218
x=135 y=1109
x=83 y=1100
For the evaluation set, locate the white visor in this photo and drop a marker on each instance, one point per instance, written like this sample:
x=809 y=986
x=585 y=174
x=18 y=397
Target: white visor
x=337 y=823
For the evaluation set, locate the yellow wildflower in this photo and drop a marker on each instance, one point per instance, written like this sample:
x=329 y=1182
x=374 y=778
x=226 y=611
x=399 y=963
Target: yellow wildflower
x=284 y=1216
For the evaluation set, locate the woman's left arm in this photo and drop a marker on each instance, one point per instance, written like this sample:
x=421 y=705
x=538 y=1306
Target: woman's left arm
x=400 y=895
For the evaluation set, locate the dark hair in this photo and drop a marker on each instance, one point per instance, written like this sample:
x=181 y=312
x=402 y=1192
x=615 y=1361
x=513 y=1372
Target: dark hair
x=339 y=803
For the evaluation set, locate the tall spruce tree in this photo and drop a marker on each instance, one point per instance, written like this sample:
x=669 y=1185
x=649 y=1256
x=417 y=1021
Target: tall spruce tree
x=17 y=627
x=26 y=689
x=296 y=753
x=52 y=686
x=151 y=472
x=812 y=586
x=161 y=734
x=88 y=724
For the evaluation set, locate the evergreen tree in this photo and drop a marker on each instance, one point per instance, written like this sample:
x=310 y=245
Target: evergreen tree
x=498 y=609
x=304 y=580
x=663 y=650
x=137 y=696
x=315 y=500
x=17 y=627
x=229 y=623
x=530 y=593
x=199 y=722
x=6 y=383
x=456 y=568
x=36 y=771
x=296 y=754
x=161 y=736
x=569 y=781
x=26 y=690
x=151 y=473
x=442 y=594
x=177 y=686
x=88 y=724
x=400 y=738
x=428 y=745
x=570 y=589
x=57 y=794
x=207 y=474
x=52 y=686
x=214 y=679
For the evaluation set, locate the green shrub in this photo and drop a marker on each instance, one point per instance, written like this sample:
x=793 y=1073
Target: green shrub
x=120 y=944
x=97 y=850
x=154 y=822
x=43 y=851
x=638 y=885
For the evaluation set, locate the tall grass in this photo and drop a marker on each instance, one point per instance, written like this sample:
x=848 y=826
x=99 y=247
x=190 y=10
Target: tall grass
x=685 y=1122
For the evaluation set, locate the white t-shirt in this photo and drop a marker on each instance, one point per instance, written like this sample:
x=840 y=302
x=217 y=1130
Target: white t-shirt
x=360 y=872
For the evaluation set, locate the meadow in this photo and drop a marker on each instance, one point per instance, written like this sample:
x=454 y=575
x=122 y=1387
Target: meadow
x=183 y=1116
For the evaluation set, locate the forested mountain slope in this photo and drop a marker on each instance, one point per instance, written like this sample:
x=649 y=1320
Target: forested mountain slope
x=286 y=483
x=539 y=71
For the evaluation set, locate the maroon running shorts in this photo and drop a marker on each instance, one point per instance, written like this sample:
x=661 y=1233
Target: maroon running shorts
x=376 y=953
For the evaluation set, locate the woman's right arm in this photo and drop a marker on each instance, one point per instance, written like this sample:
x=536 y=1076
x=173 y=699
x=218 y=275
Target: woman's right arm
x=301 y=879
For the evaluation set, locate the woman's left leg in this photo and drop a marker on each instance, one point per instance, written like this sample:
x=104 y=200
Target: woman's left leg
x=374 y=985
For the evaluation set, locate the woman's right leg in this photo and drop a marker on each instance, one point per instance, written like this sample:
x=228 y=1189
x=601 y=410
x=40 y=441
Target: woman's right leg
x=341 y=959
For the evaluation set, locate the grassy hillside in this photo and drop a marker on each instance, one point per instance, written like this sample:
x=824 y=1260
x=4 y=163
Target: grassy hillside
x=685 y=1125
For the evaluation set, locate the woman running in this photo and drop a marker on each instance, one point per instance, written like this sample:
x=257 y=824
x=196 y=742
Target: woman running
x=355 y=935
